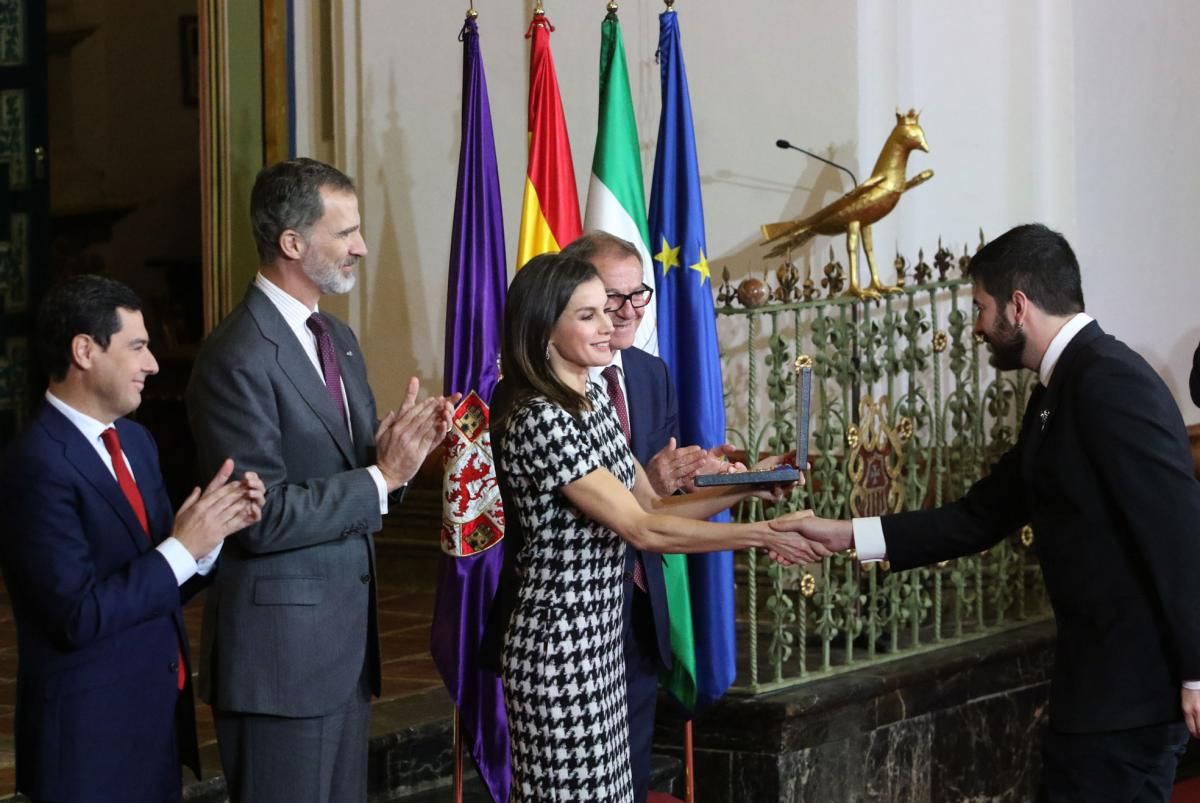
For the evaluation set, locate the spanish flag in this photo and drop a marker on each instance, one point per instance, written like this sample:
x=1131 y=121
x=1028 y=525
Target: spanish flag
x=550 y=211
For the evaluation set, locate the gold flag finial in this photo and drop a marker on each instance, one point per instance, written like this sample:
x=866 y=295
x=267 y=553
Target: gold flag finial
x=612 y=7
x=537 y=8
x=471 y=12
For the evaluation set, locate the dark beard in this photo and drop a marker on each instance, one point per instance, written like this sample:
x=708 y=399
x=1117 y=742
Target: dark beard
x=1007 y=343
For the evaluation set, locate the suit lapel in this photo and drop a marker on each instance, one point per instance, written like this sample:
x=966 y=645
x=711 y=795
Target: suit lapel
x=298 y=368
x=81 y=454
x=635 y=376
x=1039 y=421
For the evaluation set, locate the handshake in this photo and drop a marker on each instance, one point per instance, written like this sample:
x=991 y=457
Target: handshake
x=801 y=537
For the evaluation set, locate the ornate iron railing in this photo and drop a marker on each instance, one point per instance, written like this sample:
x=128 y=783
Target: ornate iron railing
x=906 y=413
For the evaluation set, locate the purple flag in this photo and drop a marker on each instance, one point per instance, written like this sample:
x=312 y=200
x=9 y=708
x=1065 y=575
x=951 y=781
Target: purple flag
x=474 y=311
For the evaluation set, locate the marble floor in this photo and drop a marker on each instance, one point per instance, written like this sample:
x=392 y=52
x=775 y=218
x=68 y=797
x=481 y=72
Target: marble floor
x=404 y=620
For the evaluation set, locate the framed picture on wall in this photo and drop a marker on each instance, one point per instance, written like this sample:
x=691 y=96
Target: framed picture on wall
x=189 y=58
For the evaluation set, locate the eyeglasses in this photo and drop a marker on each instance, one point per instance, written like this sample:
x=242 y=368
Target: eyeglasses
x=637 y=299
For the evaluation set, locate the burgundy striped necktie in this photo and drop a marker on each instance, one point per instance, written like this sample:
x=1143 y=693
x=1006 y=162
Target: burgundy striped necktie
x=329 y=363
x=618 y=399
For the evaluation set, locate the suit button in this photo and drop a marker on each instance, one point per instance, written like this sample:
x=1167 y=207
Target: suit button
x=174 y=667
x=628 y=576
x=366 y=578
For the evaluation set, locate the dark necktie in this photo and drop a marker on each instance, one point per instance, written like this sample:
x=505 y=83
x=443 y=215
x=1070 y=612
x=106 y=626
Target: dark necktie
x=618 y=399
x=613 y=382
x=112 y=442
x=329 y=364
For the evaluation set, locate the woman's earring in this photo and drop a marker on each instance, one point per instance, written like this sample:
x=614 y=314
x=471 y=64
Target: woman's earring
x=547 y=351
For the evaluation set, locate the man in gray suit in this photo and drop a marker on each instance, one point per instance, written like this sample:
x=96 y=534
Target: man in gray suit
x=290 y=649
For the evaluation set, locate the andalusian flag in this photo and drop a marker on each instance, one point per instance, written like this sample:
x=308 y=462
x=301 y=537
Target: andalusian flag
x=550 y=211
x=687 y=339
x=616 y=201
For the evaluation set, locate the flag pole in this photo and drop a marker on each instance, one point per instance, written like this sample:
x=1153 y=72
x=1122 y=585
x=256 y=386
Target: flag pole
x=689 y=765
x=458 y=757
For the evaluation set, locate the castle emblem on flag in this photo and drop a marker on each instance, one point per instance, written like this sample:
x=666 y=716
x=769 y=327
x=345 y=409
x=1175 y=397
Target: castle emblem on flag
x=472 y=514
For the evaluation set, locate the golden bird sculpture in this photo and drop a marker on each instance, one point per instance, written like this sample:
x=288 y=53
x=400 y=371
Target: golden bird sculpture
x=857 y=210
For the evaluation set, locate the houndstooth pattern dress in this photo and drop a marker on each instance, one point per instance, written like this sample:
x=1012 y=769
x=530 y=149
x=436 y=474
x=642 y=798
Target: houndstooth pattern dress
x=564 y=671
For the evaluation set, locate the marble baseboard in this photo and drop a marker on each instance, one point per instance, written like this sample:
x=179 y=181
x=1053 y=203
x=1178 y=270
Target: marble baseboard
x=960 y=724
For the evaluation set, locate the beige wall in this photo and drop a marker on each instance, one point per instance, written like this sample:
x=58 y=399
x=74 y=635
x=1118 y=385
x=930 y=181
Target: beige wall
x=1072 y=113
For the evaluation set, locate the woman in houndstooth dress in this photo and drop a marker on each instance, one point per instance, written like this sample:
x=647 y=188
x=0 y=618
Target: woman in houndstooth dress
x=564 y=670
x=578 y=496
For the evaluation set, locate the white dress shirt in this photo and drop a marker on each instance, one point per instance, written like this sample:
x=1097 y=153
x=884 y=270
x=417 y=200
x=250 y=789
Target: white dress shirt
x=296 y=316
x=182 y=564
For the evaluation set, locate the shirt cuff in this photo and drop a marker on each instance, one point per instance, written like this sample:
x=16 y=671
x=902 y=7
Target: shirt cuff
x=1192 y=685
x=381 y=486
x=206 y=563
x=869 y=543
x=182 y=564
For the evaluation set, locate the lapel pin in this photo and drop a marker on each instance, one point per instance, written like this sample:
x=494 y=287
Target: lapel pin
x=1045 y=416
x=349 y=353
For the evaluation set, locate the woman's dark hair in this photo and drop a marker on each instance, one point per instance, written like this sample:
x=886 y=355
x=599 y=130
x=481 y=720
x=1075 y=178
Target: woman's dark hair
x=82 y=305
x=536 y=300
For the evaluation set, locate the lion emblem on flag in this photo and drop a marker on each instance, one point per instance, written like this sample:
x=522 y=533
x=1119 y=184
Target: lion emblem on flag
x=472 y=513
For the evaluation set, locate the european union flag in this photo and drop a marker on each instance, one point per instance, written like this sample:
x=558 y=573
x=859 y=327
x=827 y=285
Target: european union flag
x=687 y=341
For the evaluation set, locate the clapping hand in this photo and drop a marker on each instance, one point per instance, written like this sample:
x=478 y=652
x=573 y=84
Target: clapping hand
x=406 y=436
x=208 y=517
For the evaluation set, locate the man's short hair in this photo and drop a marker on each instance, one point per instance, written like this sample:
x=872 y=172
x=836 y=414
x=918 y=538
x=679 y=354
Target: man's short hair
x=82 y=305
x=594 y=244
x=1035 y=260
x=286 y=196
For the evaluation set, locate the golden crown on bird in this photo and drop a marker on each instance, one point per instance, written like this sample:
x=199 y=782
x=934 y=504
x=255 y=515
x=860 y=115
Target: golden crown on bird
x=857 y=210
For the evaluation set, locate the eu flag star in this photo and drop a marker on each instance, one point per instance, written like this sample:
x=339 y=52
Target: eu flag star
x=701 y=267
x=668 y=256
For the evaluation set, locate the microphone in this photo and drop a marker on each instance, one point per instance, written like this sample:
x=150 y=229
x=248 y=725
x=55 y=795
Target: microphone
x=784 y=144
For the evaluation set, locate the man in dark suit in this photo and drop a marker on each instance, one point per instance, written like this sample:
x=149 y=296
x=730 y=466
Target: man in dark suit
x=290 y=642
x=97 y=566
x=1102 y=471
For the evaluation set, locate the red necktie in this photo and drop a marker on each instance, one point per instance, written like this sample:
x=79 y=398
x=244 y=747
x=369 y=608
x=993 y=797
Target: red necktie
x=618 y=400
x=128 y=487
x=124 y=478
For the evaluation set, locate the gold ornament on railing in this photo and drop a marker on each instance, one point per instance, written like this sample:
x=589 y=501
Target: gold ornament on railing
x=964 y=261
x=940 y=339
x=866 y=204
x=901 y=265
x=726 y=294
x=942 y=260
x=833 y=281
x=852 y=436
x=788 y=277
x=875 y=462
x=808 y=585
x=1027 y=536
x=753 y=292
x=922 y=271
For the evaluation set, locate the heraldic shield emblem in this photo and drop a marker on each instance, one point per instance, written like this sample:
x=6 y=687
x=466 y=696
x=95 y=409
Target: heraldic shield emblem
x=472 y=514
